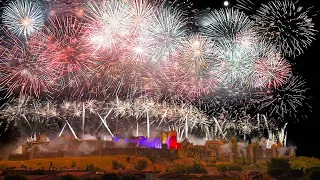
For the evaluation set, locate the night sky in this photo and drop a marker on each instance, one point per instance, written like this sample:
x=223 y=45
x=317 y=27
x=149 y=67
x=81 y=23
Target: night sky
x=303 y=134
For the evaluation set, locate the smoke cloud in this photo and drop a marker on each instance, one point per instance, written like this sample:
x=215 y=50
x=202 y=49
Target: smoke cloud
x=242 y=147
x=88 y=137
x=195 y=140
x=226 y=149
x=286 y=151
x=85 y=148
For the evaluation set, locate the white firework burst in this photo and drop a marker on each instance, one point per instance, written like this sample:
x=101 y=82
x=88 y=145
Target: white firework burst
x=226 y=24
x=23 y=17
x=287 y=25
x=165 y=33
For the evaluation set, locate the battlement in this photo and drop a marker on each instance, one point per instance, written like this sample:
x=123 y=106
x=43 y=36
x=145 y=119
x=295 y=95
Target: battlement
x=107 y=151
x=166 y=148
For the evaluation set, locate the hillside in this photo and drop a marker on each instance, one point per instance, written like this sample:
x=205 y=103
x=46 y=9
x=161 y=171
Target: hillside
x=103 y=162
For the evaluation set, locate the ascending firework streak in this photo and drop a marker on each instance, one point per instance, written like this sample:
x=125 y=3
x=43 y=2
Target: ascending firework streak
x=104 y=121
x=282 y=135
x=83 y=117
x=218 y=125
x=71 y=129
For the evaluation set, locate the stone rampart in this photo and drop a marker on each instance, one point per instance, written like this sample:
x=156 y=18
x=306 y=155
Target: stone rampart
x=18 y=157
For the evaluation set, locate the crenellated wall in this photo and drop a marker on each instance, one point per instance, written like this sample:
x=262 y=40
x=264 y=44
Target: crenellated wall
x=172 y=154
x=40 y=155
x=103 y=148
x=18 y=157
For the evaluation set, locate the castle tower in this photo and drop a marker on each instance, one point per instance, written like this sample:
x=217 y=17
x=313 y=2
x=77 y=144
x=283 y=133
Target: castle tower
x=252 y=153
x=292 y=153
x=163 y=137
x=234 y=151
x=274 y=151
x=30 y=153
x=231 y=155
x=99 y=146
x=63 y=153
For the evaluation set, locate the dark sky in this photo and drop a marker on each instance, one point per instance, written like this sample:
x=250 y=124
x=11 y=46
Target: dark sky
x=303 y=134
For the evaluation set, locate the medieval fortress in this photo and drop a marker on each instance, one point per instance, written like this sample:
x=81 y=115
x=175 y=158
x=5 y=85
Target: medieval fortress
x=165 y=146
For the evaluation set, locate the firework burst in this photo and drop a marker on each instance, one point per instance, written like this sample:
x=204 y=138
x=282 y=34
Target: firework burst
x=62 y=49
x=165 y=33
x=272 y=72
x=23 y=17
x=287 y=100
x=287 y=25
x=21 y=70
x=226 y=24
x=197 y=54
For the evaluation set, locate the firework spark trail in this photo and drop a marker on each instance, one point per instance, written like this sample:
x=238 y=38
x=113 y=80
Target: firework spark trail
x=58 y=7
x=249 y=6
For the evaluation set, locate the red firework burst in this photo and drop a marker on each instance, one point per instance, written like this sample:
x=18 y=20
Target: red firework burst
x=272 y=71
x=62 y=49
x=21 y=70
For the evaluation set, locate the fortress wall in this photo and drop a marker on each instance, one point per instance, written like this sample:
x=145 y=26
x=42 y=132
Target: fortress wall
x=75 y=153
x=108 y=149
x=55 y=154
x=140 y=152
x=221 y=158
x=259 y=154
x=18 y=157
x=269 y=153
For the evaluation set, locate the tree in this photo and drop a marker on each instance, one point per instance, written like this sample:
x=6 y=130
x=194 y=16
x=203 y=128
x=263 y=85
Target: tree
x=278 y=168
x=296 y=173
x=73 y=164
x=275 y=173
x=279 y=163
x=91 y=167
x=152 y=159
x=130 y=177
x=141 y=165
x=15 y=177
x=234 y=167
x=222 y=168
x=116 y=165
x=128 y=159
x=305 y=162
x=198 y=168
x=112 y=176
x=314 y=174
x=69 y=177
